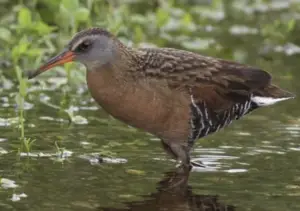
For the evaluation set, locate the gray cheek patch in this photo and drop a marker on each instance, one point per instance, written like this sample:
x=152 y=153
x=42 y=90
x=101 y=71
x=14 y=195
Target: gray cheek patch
x=103 y=58
x=103 y=51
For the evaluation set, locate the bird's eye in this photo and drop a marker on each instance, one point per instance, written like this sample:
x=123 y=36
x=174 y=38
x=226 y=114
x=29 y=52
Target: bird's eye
x=84 y=46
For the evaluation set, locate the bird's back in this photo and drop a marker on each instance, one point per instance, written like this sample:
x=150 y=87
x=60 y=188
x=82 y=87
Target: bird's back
x=218 y=91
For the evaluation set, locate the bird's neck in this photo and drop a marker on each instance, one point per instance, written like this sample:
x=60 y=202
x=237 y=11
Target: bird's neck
x=115 y=73
x=105 y=79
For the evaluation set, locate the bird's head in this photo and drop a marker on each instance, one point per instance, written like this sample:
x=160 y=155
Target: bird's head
x=92 y=47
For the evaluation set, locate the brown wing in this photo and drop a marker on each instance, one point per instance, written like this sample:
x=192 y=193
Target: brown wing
x=218 y=83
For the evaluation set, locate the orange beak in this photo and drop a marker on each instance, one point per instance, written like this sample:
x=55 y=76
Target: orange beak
x=62 y=58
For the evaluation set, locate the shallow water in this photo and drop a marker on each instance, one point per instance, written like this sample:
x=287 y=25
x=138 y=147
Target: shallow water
x=252 y=165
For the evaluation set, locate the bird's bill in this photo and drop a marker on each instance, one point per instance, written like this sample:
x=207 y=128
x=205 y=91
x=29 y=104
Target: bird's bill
x=62 y=58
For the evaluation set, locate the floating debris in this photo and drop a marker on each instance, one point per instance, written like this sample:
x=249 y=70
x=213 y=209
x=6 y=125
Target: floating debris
x=17 y=197
x=95 y=158
x=94 y=161
x=7 y=183
x=64 y=154
x=61 y=155
x=35 y=155
x=79 y=120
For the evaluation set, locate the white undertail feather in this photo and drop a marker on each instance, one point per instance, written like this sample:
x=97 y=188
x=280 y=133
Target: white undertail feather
x=266 y=101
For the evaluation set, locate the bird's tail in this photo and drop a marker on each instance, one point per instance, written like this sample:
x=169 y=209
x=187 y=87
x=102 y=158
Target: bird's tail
x=271 y=94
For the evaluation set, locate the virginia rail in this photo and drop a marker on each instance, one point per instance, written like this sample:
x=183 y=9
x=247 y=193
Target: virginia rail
x=178 y=96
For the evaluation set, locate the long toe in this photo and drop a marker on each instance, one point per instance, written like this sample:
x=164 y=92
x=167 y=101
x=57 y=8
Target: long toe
x=198 y=163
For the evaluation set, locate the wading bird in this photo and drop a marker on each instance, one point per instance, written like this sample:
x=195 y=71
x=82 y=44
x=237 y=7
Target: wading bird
x=178 y=96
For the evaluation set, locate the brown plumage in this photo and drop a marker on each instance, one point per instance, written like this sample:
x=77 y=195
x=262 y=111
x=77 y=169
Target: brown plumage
x=177 y=95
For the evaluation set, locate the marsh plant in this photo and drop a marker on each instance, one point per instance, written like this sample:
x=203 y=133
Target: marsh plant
x=20 y=98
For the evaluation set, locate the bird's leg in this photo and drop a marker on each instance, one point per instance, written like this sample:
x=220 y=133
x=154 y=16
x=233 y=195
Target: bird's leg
x=175 y=156
x=179 y=152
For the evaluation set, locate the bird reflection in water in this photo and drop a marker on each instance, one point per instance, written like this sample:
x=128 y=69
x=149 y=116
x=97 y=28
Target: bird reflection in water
x=174 y=194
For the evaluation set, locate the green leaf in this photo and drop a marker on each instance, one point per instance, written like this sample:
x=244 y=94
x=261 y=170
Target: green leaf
x=5 y=34
x=138 y=34
x=51 y=4
x=187 y=19
x=162 y=17
x=70 y=5
x=23 y=88
x=42 y=28
x=24 y=17
x=82 y=15
x=19 y=49
x=18 y=72
x=291 y=25
x=22 y=82
x=65 y=17
x=34 y=52
x=19 y=99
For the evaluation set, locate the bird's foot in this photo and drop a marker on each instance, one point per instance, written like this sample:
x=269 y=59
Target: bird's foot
x=187 y=167
x=198 y=163
x=183 y=168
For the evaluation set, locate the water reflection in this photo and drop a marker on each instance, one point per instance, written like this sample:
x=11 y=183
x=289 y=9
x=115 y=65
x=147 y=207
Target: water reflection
x=174 y=193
